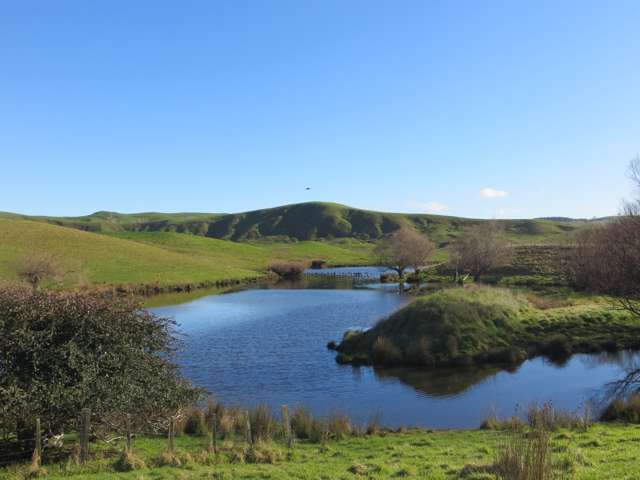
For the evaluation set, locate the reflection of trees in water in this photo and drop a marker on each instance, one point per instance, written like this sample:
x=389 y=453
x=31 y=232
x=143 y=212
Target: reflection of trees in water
x=438 y=382
x=629 y=382
x=625 y=359
x=319 y=281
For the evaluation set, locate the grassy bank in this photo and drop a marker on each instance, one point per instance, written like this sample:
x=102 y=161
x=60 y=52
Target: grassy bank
x=160 y=258
x=603 y=451
x=480 y=324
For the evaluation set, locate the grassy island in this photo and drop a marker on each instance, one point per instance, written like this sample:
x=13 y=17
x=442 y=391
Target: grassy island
x=482 y=324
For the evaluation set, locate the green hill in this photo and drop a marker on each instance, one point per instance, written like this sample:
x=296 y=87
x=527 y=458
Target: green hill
x=304 y=221
x=165 y=258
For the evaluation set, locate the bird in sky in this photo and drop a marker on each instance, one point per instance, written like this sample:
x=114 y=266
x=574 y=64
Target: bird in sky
x=308 y=188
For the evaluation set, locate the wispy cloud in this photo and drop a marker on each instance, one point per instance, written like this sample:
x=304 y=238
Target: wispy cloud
x=492 y=193
x=429 y=207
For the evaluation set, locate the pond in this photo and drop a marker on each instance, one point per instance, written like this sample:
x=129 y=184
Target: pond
x=268 y=345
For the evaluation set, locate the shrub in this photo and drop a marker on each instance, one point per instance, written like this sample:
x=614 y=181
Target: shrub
x=288 y=269
x=623 y=410
x=318 y=264
x=62 y=351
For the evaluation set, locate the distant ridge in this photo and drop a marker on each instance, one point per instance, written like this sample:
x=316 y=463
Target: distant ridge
x=302 y=221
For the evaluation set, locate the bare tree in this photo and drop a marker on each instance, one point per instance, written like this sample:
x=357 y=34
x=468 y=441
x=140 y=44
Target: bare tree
x=37 y=267
x=606 y=260
x=480 y=249
x=405 y=248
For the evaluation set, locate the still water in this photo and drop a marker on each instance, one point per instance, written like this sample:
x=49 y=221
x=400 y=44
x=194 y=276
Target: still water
x=269 y=346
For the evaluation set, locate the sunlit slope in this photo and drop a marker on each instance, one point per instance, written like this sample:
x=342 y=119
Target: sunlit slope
x=163 y=257
x=104 y=259
x=255 y=255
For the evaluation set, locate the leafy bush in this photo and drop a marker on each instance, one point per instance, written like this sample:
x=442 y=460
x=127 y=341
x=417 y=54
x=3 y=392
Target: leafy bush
x=61 y=351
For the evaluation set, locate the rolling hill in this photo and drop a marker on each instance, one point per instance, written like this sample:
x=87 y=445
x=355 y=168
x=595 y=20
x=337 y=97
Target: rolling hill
x=202 y=248
x=303 y=221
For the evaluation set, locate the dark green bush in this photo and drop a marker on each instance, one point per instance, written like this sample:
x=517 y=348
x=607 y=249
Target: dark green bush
x=61 y=351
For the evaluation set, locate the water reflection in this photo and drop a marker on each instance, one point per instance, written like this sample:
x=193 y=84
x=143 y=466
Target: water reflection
x=437 y=383
x=267 y=345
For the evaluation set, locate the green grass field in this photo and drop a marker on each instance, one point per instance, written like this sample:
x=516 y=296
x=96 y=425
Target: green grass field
x=164 y=258
x=604 y=451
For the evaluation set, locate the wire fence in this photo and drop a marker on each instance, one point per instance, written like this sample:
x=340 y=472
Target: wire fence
x=45 y=447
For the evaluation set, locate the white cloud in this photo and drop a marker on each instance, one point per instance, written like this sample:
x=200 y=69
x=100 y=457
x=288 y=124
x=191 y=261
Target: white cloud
x=492 y=193
x=429 y=207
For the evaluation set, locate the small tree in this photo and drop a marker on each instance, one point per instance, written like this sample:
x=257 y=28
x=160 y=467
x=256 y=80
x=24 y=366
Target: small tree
x=405 y=248
x=480 y=249
x=37 y=267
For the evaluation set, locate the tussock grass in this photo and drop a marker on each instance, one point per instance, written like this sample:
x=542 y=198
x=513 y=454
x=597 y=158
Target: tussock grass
x=623 y=410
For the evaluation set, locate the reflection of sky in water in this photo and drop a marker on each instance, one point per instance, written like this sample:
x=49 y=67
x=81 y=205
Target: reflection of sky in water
x=270 y=346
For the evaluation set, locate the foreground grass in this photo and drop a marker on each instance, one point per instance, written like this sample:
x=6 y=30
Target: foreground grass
x=604 y=451
x=162 y=258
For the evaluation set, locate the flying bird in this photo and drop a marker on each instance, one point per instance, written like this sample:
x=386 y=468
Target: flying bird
x=308 y=188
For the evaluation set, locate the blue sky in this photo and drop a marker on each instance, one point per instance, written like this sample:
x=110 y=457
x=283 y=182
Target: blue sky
x=480 y=109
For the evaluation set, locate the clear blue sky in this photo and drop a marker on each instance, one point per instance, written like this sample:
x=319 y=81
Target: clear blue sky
x=387 y=105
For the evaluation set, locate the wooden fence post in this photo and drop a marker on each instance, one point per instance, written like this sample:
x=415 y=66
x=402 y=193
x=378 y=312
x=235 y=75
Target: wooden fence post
x=172 y=431
x=213 y=434
x=85 y=428
x=248 y=430
x=287 y=426
x=36 y=460
x=128 y=434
